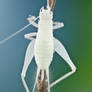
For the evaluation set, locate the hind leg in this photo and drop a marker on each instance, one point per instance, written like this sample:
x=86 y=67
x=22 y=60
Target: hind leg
x=28 y=59
x=59 y=48
x=38 y=70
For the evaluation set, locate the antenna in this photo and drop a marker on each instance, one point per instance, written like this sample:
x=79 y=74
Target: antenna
x=47 y=3
x=11 y=36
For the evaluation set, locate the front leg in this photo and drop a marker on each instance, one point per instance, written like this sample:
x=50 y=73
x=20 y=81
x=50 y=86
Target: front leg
x=31 y=19
x=57 y=25
x=59 y=48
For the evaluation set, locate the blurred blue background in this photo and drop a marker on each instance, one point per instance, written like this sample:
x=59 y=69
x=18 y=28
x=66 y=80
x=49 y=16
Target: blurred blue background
x=76 y=37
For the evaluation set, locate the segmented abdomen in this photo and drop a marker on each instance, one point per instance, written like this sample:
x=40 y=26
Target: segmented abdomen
x=43 y=52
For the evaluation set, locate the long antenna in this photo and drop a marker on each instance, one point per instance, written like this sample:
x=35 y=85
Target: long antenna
x=48 y=3
x=11 y=36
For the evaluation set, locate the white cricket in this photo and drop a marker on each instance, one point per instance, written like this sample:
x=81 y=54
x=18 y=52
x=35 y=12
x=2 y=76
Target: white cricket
x=44 y=46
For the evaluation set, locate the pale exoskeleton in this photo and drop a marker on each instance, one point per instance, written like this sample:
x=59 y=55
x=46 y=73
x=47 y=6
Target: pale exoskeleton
x=42 y=48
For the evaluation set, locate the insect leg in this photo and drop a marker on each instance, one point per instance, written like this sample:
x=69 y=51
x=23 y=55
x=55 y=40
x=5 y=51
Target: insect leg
x=57 y=25
x=38 y=70
x=31 y=19
x=28 y=58
x=59 y=48
x=30 y=36
x=48 y=80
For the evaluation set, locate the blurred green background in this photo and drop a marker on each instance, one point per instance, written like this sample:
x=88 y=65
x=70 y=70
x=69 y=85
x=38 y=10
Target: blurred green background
x=76 y=36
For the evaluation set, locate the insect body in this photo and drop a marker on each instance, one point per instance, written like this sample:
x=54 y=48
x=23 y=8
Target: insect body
x=43 y=48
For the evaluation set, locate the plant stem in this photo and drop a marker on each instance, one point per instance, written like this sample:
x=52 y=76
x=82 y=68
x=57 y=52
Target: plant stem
x=52 y=4
x=42 y=85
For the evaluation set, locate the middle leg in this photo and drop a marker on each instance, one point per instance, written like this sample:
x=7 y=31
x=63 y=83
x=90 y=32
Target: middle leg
x=57 y=25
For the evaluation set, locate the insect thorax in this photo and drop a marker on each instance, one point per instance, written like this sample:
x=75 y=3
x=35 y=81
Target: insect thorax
x=45 y=20
x=45 y=14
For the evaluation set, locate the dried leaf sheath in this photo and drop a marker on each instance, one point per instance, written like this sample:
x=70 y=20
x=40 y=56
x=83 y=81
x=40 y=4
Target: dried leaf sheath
x=52 y=4
x=42 y=84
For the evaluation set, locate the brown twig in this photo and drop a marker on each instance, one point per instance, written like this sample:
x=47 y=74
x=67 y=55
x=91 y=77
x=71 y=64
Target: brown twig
x=42 y=85
x=52 y=4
